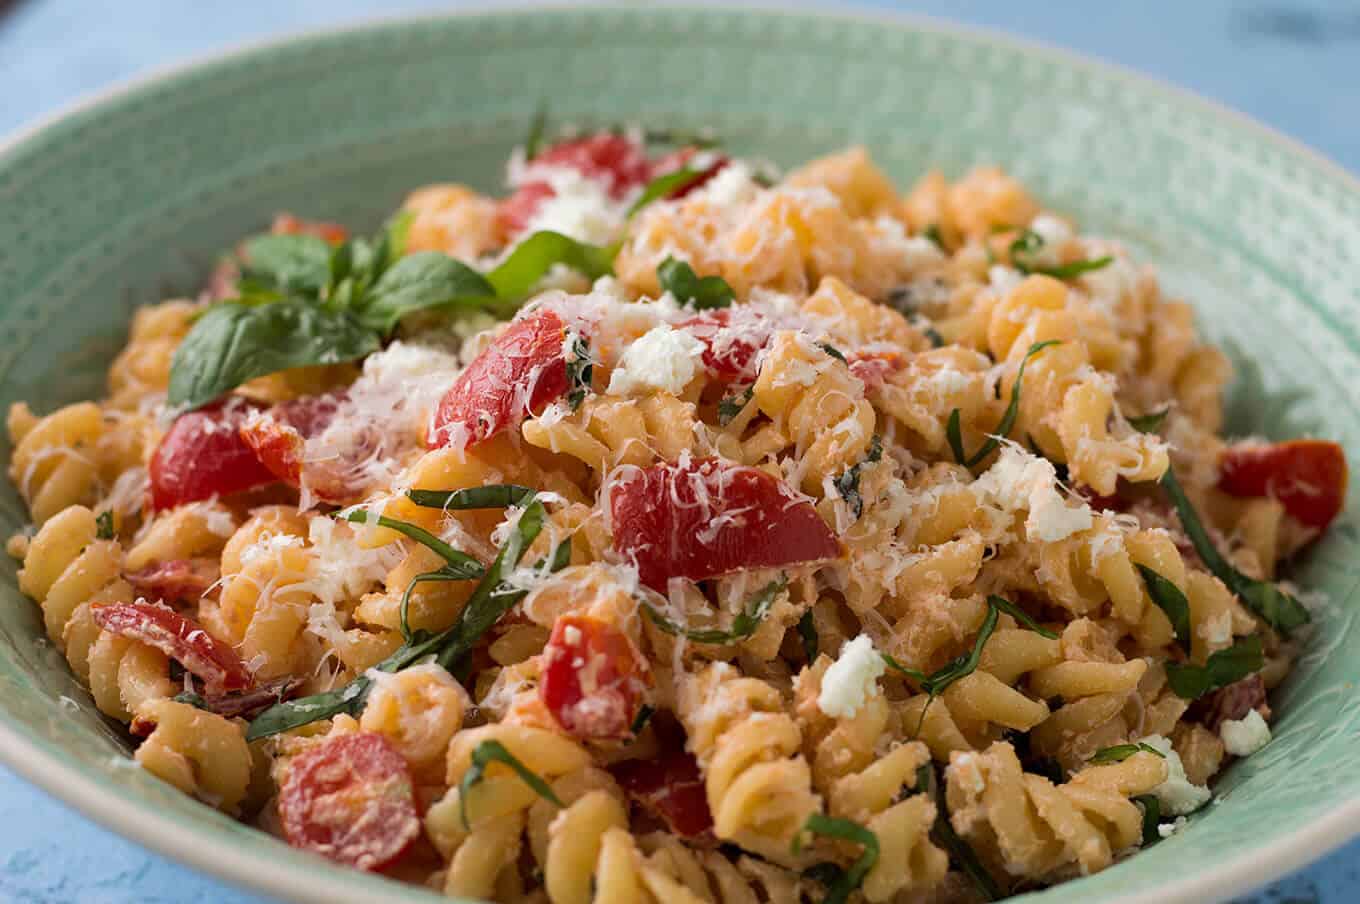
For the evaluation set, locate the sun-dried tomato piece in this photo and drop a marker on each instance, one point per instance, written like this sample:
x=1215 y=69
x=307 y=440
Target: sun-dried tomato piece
x=1232 y=702
x=593 y=678
x=1307 y=476
x=175 y=579
x=671 y=788
x=210 y=660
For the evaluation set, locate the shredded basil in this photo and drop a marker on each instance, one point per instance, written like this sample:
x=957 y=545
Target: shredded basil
x=807 y=632
x=1243 y=658
x=103 y=526
x=580 y=370
x=1121 y=752
x=847 y=485
x=962 y=666
x=844 y=830
x=1149 y=423
x=490 y=496
x=954 y=429
x=936 y=340
x=644 y=715
x=489 y=752
x=1170 y=600
x=678 y=278
x=1029 y=243
x=192 y=699
x=1152 y=818
x=833 y=351
x=943 y=834
x=743 y=625
x=732 y=405
x=1021 y=616
x=1279 y=609
x=663 y=187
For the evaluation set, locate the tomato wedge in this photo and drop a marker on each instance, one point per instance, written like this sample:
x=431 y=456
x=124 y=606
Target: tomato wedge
x=287 y=224
x=175 y=579
x=350 y=799
x=184 y=641
x=522 y=371
x=1307 y=476
x=729 y=349
x=279 y=435
x=614 y=160
x=671 y=788
x=704 y=517
x=202 y=455
x=593 y=678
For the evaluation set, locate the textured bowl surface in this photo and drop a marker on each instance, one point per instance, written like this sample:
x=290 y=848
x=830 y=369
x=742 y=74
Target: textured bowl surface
x=127 y=201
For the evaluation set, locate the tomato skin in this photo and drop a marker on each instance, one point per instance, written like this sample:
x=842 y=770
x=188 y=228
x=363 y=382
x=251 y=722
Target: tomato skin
x=350 y=799
x=515 y=212
x=202 y=455
x=524 y=368
x=175 y=579
x=277 y=437
x=1307 y=476
x=729 y=355
x=751 y=520
x=611 y=159
x=671 y=787
x=287 y=224
x=593 y=678
x=211 y=660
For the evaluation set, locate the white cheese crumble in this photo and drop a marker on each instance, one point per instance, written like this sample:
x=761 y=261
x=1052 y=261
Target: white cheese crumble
x=1019 y=480
x=1245 y=736
x=851 y=680
x=732 y=187
x=580 y=208
x=1055 y=233
x=1167 y=829
x=1178 y=795
x=662 y=359
x=1003 y=279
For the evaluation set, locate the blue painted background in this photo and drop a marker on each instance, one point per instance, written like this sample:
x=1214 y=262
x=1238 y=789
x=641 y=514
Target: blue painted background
x=1290 y=63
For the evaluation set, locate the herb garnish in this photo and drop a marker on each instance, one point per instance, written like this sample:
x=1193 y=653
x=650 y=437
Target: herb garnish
x=833 y=351
x=1221 y=669
x=732 y=405
x=1170 y=600
x=579 y=372
x=1021 y=616
x=489 y=752
x=943 y=834
x=743 y=625
x=533 y=142
x=664 y=186
x=962 y=666
x=1029 y=243
x=1152 y=818
x=644 y=715
x=932 y=232
x=678 y=278
x=807 y=632
x=1121 y=752
x=103 y=525
x=1279 y=610
x=842 y=882
x=848 y=483
x=954 y=429
x=191 y=699
x=1149 y=423
x=490 y=496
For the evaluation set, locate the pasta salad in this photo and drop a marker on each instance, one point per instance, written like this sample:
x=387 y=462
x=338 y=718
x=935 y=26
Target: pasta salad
x=668 y=530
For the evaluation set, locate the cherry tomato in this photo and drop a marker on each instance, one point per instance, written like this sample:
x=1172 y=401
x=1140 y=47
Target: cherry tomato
x=677 y=159
x=729 y=351
x=184 y=641
x=202 y=455
x=705 y=517
x=287 y=224
x=614 y=160
x=593 y=678
x=522 y=371
x=1307 y=476
x=670 y=787
x=278 y=436
x=175 y=579
x=350 y=799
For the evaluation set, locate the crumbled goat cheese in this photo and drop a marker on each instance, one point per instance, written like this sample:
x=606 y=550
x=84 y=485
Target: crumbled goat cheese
x=733 y=186
x=1167 y=829
x=851 y=679
x=580 y=208
x=1019 y=480
x=662 y=359
x=1245 y=736
x=1177 y=795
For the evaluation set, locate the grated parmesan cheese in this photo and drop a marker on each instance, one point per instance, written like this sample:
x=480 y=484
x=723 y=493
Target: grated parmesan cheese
x=1019 y=480
x=852 y=678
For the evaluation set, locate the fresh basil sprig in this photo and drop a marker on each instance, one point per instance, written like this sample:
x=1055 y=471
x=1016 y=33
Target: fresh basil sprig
x=286 y=263
x=844 y=882
x=1279 y=609
x=489 y=752
x=1170 y=600
x=1190 y=682
x=743 y=625
x=943 y=834
x=678 y=278
x=1121 y=752
x=1029 y=243
x=954 y=429
x=847 y=485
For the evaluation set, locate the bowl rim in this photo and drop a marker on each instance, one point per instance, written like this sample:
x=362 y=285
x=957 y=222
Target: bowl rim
x=296 y=877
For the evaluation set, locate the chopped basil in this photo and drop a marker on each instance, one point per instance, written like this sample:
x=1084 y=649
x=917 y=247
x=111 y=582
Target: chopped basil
x=663 y=187
x=1149 y=423
x=192 y=699
x=644 y=715
x=732 y=405
x=1152 y=818
x=936 y=340
x=942 y=833
x=936 y=682
x=103 y=526
x=1121 y=752
x=466 y=567
x=1073 y=269
x=954 y=429
x=490 y=496
x=847 y=485
x=1029 y=243
x=1170 y=600
x=1021 y=616
x=678 y=278
x=533 y=142
x=743 y=625
x=844 y=830
x=932 y=232
x=833 y=351
x=1279 y=610
x=807 y=632
x=580 y=370
x=489 y=752
x=1243 y=658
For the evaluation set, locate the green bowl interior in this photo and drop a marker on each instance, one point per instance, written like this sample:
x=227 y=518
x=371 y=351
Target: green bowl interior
x=129 y=201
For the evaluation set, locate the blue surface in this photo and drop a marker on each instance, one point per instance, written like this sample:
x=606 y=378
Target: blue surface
x=1294 y=65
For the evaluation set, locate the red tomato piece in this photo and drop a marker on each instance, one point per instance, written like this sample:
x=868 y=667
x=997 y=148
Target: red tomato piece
x=176 y=579
x=278 y=435
x=614 y=160
x=350 y=799
x=677 y=159
x=872 y=368
x=185 y=641
x=1308 y=476
x=520 y=373
x=287 y=224
x=515 y=212
x=202 y=455
x=703 y=518
x=670 y=787
x=729 y=350
x=593 y=678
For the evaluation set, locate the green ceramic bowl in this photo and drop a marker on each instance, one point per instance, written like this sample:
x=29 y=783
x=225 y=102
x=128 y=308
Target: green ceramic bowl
x=126 y=200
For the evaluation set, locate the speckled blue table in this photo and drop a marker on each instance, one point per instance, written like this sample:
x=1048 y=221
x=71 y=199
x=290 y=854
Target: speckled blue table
x=1291 y=63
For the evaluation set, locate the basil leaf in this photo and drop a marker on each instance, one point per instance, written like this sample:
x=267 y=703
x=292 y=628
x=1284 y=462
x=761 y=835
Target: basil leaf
x=464 y=566
x=103 y=525
x=1279 y=610
x=292 y=714
x=678 y=278
x=847 y=485
x=942 y=833
x=1190 y=682
x=491 y=496
x=1073 y=269
x=644 y=715
x=538 y=126
x=732 y=405
x=844 y=830
x=833 y=351
x=1149 y=423
x=932 y=232
x=936 y=340
x=663 y=187
x=1029 y=243
x=1152 y=818
x=914 y=674
x=936 y=682
x=954 y=430
x=532 y=258
x=743 y=626
x=288 y=263
x=1170 y=600
x=424 y=280
x=1021 y=616
x=489 y=752
x=1121 y=752
x=807 y=632
x=580 y=370
x=192 y=699
x=232 y=343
